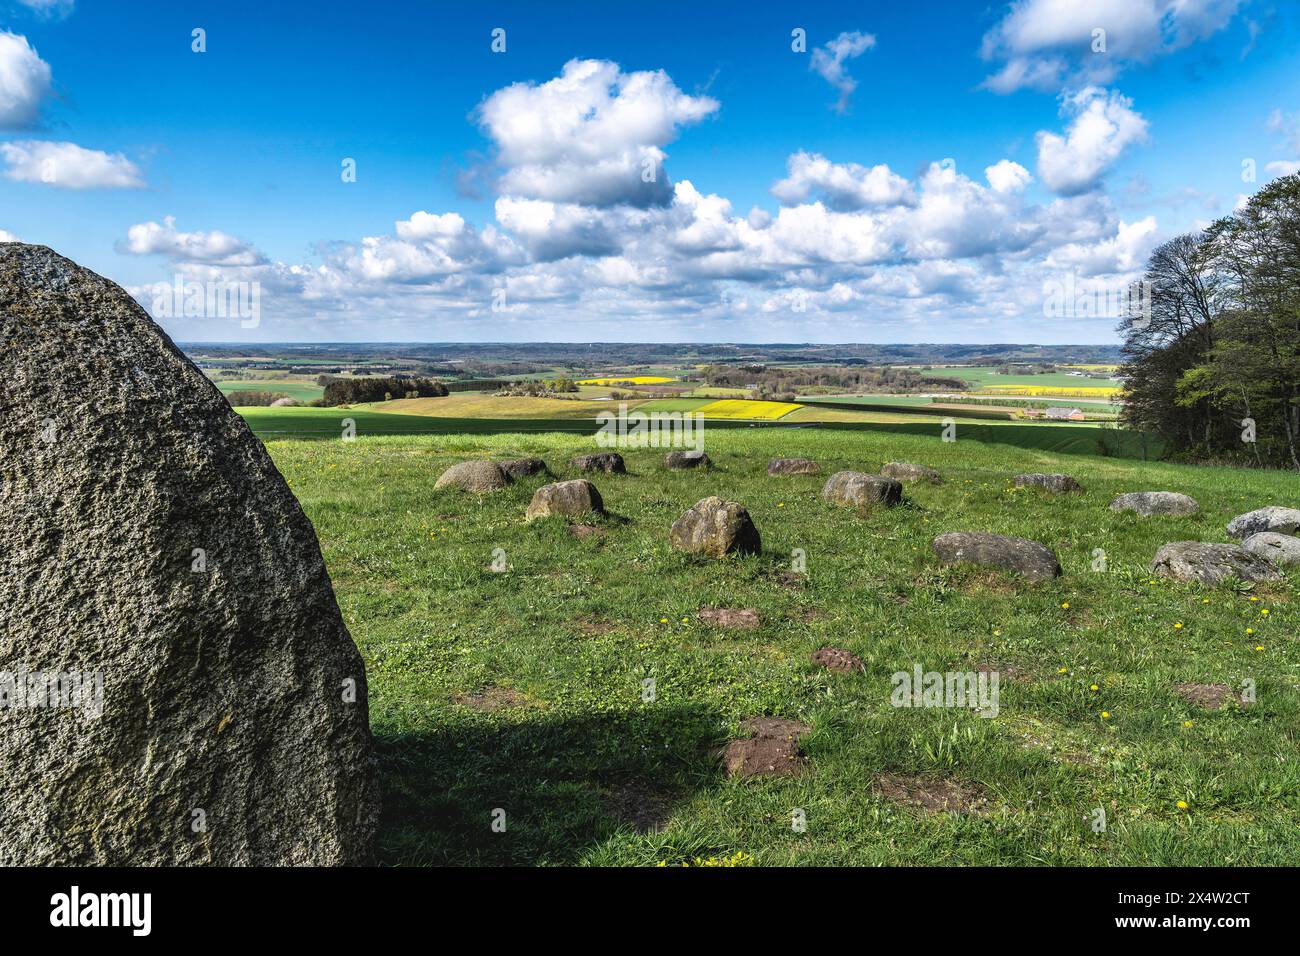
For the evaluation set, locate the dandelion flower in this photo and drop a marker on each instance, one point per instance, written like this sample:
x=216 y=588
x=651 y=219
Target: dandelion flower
x=1105 y=715
x=1094 y=688
x=1182 y=804
x=1062 y=670
x=663 y=620
x=1178 y=626
x=1066 y=605
x=1187 y=723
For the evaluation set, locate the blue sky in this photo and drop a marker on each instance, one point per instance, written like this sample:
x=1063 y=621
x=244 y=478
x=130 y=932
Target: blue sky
x=918 y=172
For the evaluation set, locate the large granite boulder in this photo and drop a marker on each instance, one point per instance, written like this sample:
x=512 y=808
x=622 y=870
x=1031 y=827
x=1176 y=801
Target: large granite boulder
x=1281 y=549
x=1150 y=503
x=905 y=471
x=1058 y=484
x=477 y=476
x=716 y=528
x=1272 y=518
x=857 y=490
x=155 y=566
x=1035 y=561
x=569 y=498
x=610 y=462
x=792 y=466
x=1211 y=563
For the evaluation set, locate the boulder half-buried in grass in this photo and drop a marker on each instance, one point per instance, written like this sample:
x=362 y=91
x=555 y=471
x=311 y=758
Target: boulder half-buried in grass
x=572 y=499
x=770 y=750
x=477 y=476
x=716 y=528
x=1035 y=561
x=854 y=489
x=1150 y=503
x=905 y=471
x=1211 y=563
x=737 y=618
x=521 y=468
x=1059 y=484
x=682 y=460
x=610 y=462
x=1272 y=518
x=792 y=466
x=153 y=552
x=1280 y=549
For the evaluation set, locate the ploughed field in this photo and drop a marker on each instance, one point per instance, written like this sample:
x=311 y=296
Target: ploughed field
x=525 y=691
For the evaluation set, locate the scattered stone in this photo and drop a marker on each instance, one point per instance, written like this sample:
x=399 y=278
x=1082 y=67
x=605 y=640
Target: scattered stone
x=477 y=476
x=1060 y=484
x=680 y=460
x=492 y=699
x=931 y=794
x=904 y=471
x=151 y=549
x=1211 y=563
x=1209 y=696
x=771 y=750
x=285 y=402
x=570 y=498
x=793 y=466
x=522 y=468
x=1280 y=549
x=610 y=462
x=837 y=659
x=857 y=490
x=716 y=528
x=1035 y=561
x=581 y=531
x=1272 y=518
x=1149 y=503
x=739 y=618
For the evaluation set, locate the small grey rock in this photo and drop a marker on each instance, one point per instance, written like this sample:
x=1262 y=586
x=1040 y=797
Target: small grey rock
x=1148 y=503
x=1060 y=484
x=521 y=468
x=1035 y=561
x=716 y=528
x=478 y=476
x=858 y=490
x=570 y=498
x=1211 y=563
x=793 y=466
x=681 y=460
x=609 y=462
x=905 y=471
x=1273 y=518
x=1281 y=549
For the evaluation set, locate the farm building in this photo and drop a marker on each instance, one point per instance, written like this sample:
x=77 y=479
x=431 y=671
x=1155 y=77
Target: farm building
x=1064 y=414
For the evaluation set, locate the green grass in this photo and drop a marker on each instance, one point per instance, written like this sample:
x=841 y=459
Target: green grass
x=575 y=626
x=299 y=391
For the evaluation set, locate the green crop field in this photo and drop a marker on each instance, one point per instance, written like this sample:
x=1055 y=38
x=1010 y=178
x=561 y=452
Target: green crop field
x=524 y=691
x=299 y=391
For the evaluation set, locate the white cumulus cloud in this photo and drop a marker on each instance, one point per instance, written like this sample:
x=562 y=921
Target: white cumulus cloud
x=829 y=60
x=24 y=81
x=1102 y=125
x=845 y=186
x=68 y=166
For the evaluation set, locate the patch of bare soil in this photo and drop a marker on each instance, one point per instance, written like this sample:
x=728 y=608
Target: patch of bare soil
x=1004 y=671
x=837 y=659
x=791 y=579
x=587 y=531
x=491 y=699
x=1209 y=696
x=640 y=805
x=739 y=618
x=595 y=627
x=771 y=750
x=931 y=794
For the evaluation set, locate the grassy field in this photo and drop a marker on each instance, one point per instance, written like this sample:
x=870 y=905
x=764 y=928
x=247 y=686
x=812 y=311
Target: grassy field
x=297 y=390
x=522 y=691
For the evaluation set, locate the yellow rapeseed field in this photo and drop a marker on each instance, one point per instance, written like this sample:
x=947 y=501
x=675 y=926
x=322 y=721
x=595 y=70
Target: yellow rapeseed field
x=1053 y=391
x=744 y=408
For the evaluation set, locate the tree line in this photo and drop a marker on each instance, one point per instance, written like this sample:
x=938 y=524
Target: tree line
x=351 y=391
x=1212 y=361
